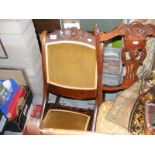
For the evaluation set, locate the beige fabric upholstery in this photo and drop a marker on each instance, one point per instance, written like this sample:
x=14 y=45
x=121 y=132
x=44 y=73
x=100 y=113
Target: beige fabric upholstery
x=123 y=105
x=71 y=65
x=65 y=119
x=105 y=126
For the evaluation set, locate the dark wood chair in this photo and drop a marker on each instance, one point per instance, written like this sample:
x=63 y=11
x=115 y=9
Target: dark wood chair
x=71 y=68
x=132 y=56
x=133 y=53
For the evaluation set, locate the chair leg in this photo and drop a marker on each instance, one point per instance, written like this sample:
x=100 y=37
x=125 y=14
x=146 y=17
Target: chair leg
x=94 y=118
x=57 y=101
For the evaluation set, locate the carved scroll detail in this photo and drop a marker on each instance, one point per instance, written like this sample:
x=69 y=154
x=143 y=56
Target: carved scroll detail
x=72 y=34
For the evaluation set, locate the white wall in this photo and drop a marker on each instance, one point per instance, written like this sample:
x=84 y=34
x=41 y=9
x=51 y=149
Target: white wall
x=21 y=44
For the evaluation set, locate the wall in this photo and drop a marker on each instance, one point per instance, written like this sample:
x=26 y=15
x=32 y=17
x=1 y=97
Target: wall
x=103 y=24
x=19 y=39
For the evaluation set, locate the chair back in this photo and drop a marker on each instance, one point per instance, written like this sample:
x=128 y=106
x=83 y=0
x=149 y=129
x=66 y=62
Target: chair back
x=133 y=53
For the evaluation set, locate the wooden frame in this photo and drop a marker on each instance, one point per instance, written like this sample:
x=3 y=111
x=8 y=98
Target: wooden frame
x=72 y=34
x=134 y=38
x=34 y=130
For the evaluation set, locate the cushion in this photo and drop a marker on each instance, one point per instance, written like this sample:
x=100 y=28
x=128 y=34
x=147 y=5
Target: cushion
x=142 y=117
x=105 y=126
x=148 y=94
x=150 y=115
x=123 y=105
x=137 y=124
x=149 y=98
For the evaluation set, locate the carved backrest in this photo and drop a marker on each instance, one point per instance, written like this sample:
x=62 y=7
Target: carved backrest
x=133 y=52
x=69 y=59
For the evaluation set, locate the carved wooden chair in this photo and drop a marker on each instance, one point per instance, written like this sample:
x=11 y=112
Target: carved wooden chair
x=133 y=54
x=71 y=69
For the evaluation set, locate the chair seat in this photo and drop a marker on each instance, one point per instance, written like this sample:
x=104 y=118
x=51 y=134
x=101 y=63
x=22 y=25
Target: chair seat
x=65 y=119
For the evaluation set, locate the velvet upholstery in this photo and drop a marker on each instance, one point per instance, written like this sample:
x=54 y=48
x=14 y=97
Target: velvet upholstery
x=61 y=73
x=65 y=119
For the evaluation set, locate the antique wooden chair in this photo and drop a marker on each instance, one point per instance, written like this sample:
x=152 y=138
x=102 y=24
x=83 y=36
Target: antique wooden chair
x=133 y=52
x=71 y=68
x=132 y=55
